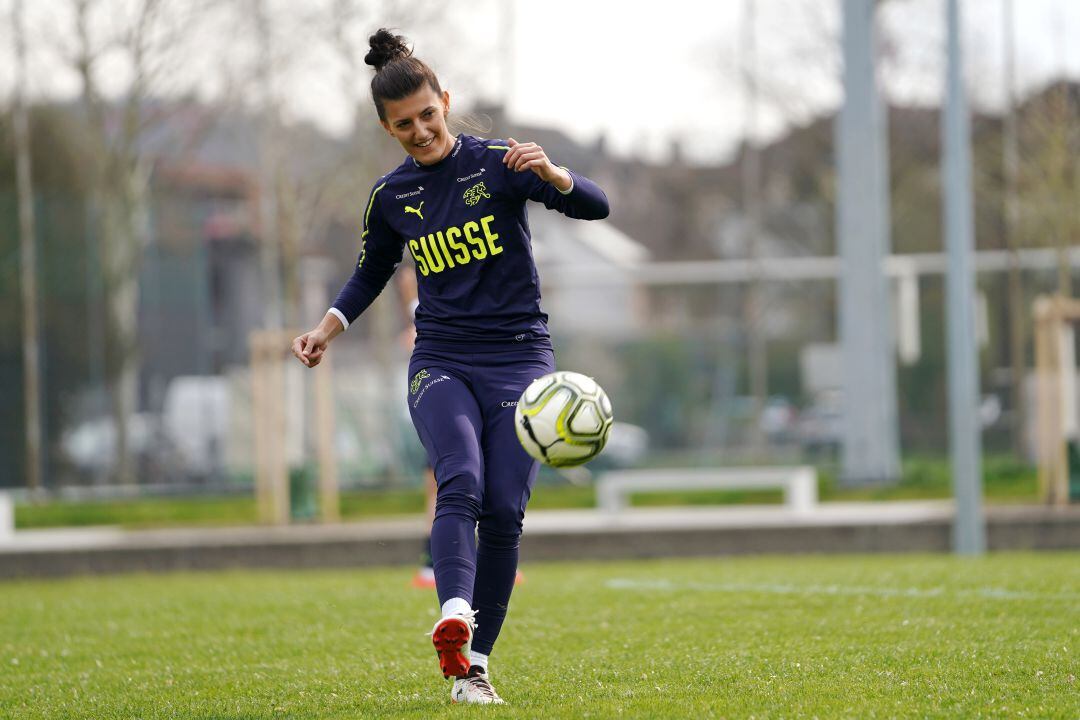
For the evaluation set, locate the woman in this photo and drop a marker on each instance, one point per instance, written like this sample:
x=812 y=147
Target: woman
x=457 y=205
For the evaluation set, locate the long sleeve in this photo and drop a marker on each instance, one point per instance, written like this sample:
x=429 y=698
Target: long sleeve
x=585 y=201
x=380 y=253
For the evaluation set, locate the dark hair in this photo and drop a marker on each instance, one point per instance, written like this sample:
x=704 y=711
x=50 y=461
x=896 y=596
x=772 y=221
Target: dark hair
x=397 y=73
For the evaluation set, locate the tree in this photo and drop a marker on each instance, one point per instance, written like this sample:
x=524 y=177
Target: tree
x=28 y=254
x=150 y=39
x=1049 y=175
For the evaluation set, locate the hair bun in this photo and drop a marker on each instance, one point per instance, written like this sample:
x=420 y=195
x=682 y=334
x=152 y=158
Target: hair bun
x=386 y=47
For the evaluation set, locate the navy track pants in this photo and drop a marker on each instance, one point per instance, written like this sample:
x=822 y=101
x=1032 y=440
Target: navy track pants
x=462 y=401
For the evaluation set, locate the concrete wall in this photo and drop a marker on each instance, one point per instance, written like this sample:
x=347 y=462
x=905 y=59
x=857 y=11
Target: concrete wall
x=1026 y=528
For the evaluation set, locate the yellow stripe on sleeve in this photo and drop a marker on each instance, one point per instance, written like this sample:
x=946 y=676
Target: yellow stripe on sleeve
x=367 y=214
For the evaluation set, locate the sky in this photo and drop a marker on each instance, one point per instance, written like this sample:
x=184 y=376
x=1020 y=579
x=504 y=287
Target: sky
x=678 y=73
x=643 y=77
x=639 y=76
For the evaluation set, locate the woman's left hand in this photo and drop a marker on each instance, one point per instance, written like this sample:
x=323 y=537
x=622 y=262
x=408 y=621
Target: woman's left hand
x=530 y=156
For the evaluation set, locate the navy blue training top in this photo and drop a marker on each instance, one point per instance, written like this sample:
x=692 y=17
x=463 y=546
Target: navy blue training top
x=463 y=220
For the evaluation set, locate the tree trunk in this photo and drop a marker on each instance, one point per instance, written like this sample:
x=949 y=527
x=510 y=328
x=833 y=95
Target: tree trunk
x=1017 y=311
x=28 y=262
x=121 y=254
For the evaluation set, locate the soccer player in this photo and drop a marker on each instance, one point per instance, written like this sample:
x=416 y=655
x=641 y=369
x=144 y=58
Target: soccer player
x=457 y=206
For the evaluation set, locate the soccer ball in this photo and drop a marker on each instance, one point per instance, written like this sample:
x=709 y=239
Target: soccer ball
x=563 y=419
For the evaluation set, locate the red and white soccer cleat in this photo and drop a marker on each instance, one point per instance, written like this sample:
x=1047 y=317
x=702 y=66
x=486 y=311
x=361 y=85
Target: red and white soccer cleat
x=451 y=637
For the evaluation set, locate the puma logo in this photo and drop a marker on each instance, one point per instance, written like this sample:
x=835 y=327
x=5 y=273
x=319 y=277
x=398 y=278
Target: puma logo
x=416 y=209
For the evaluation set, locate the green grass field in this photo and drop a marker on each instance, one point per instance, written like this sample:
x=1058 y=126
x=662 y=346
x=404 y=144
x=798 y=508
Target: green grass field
x=858 y=637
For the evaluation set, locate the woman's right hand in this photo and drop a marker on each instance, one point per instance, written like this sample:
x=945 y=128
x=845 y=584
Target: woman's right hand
x=310 y=347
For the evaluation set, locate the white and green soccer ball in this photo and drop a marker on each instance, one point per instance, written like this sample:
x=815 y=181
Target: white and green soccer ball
x=563 y=419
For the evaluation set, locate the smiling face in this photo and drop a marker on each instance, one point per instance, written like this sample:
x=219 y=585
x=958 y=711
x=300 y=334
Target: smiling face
x=418 y=122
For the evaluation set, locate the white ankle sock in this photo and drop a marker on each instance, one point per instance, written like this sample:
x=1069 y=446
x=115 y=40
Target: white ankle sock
x=455 y=606
x=480 y=659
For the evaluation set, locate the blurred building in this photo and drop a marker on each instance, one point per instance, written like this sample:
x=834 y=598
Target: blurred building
x=588 y=272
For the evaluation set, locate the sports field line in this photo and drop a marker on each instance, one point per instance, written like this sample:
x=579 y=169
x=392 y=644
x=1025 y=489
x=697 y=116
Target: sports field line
x=990 y=593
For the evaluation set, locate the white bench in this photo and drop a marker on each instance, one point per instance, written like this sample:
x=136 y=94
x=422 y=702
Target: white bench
x=799 y=483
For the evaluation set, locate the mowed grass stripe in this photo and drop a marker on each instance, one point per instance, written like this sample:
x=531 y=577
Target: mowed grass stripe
x=990 y=593
x=583 y=640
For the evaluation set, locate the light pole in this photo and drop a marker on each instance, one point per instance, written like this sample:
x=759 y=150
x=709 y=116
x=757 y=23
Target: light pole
x=965 y=443
x=870 y=452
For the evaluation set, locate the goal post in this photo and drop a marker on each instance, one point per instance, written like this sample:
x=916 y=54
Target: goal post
x=1056 y=400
